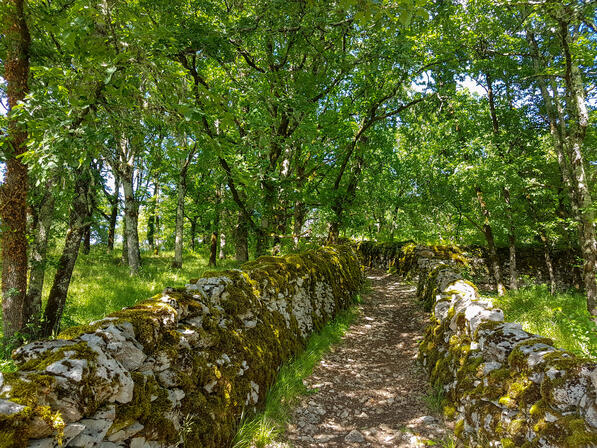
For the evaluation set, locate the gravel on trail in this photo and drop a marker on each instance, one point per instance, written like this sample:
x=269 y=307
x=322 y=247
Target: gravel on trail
x=369 y=390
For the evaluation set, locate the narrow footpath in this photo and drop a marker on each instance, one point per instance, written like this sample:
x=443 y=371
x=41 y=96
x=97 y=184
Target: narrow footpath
x=369 y=390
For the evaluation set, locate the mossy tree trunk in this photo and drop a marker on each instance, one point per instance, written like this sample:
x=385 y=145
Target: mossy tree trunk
x=568 y=125
x=79 y=215
x=13 y=194
x=39 y=250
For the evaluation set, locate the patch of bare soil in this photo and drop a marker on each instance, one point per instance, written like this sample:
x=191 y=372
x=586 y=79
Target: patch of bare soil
x=368 y=391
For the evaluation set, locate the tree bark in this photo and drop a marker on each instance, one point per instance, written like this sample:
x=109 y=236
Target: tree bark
x=193 y=233
x=113 y=214
x=39 y=251
x=568 y=145
x=222 y=255
x=579 y=122
x=87 y=239
x=181 y=193
x=151 y=219
x=488 y=233
x=124 y=258
x=213 y=249
x=79 y=215
x=511 y=241
x=131 y=215
x=13 y=194
x=179 y=229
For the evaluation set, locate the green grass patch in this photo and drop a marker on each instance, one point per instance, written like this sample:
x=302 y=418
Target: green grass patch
x=268 y=425
x=562 y=317
x=435 y=399
x=101 y=285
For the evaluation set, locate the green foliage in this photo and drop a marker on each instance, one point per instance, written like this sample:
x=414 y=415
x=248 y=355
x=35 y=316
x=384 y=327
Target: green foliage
x=562 y=317
x=265 y=427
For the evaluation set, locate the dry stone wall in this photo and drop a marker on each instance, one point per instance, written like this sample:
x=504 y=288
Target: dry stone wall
x=180 y=368
x=503 y=386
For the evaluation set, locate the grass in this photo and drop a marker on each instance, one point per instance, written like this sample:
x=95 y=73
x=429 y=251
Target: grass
x=562 y=317
x=434 y=399
x=268 y=425
x=101 y=285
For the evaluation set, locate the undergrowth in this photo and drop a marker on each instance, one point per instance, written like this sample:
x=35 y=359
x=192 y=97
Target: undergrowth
x=562 y=317
x=269 y=424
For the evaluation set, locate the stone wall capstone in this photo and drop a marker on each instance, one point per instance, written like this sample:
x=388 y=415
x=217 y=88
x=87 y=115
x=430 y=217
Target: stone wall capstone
x=178 y=369
x=503 y=386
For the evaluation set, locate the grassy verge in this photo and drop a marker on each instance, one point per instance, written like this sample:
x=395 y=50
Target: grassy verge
x=562 y=317
x=101 y=285
x=268 y=425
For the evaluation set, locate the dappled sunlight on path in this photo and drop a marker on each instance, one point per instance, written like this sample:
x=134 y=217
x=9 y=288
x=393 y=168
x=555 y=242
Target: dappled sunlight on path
x=368 y=391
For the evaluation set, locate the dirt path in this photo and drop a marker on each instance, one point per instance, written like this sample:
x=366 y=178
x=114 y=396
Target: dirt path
x=370 y=388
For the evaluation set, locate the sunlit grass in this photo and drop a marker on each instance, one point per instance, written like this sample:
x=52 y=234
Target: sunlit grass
x=267 y=426
x=101 y=285
x=562 y=317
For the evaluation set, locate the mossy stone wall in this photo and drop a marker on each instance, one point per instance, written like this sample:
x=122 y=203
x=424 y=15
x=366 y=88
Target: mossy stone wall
x=178 y=369
x=503 y=386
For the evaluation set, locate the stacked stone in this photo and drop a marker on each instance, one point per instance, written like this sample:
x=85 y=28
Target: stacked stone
x=505 y=387
x=179 y=368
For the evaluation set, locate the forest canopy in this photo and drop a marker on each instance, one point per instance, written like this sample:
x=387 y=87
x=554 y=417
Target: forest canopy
x=259 y=126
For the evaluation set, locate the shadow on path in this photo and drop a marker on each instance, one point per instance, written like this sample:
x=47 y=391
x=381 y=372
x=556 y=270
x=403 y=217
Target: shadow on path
x=369 y=388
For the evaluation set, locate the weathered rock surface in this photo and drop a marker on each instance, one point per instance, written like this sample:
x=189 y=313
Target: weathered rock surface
x=192 y=358
x=505 y=387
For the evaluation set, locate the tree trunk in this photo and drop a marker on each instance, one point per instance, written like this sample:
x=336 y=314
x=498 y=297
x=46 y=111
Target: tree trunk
x=79 y=214
x=87 y=239
x=213 y=249
x=299 y=219
x=156 y=250
x=488 y=233
x=13 y=194
x=242 y=239
x=113 y=214
x=511 y=241
x=568 y=145
x=151 y=219
x=39 y=254
x=124 y=259
x=579 y=122
x=131 y=216
x=193 y=232
x=222 y=255
x=178 y=243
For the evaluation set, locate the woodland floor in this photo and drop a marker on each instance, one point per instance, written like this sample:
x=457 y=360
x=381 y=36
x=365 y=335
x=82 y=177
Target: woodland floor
x=369 y=390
